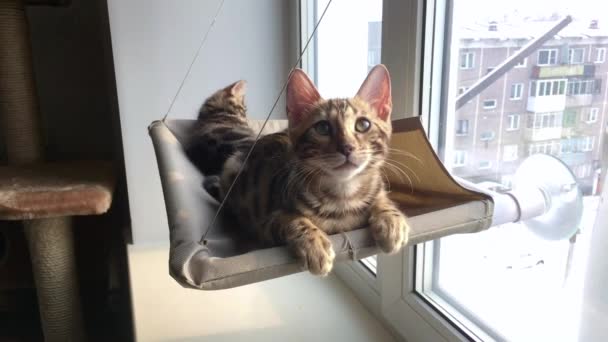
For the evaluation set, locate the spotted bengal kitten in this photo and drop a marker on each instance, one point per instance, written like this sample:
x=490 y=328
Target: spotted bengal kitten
x=221 y=129
x=322 y=175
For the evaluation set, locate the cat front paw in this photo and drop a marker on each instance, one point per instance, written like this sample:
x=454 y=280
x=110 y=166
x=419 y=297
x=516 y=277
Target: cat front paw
x=390 y=230
x=314 y=250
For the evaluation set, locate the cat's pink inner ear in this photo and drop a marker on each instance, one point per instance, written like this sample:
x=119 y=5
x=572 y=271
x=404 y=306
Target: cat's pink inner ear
x=238 y=88
x=302 y=95
x=376 y=91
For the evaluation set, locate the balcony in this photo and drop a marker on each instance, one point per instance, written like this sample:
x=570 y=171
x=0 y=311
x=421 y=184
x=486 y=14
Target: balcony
x=551 y=103
x=541 y=134
x=579 y=100
x=566 y=70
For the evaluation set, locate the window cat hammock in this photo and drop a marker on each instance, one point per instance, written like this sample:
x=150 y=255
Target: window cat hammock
x=437 y=205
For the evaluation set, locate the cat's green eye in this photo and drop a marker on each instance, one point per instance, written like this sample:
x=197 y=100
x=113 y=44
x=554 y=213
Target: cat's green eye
x=322 y=127
x=362 y=125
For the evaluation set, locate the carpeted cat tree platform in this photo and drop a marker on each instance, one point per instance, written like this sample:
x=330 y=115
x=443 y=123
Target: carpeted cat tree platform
x=43 y=195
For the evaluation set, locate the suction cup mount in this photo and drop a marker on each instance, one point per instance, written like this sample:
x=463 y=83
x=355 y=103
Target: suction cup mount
x=556 y=213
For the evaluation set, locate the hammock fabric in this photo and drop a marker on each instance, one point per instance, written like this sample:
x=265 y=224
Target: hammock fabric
x=436 y=204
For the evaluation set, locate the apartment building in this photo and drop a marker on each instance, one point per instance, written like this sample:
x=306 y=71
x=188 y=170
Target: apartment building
x=553 y=101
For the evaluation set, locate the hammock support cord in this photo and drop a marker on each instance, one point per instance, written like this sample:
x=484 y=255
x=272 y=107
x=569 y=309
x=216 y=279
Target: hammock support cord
x=242 y=167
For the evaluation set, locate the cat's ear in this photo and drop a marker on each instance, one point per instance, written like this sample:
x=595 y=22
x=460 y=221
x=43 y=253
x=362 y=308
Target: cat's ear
x=376 y=91
x=237 y=89
x=302 y=95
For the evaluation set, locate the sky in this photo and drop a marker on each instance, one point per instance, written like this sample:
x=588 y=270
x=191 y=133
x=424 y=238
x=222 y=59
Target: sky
x=486 y=10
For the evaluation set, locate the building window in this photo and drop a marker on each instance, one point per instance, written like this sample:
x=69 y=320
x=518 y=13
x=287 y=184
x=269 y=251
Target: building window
x=522 y=63
x=546 y=147
x=547 y=57
x=582 y=171
x=489 y=104
x=460 y=158
x=485 y=164
x=576 y=56
x=374 y=43
x=467 y=60
x=586 y=143
x=547 y=87
x=600 y=56
x=510 y=152
x=517 y=90
x=462 y=127
x=584 y=87
x=591 y=115
x=544 y=120
x=569 y=119
x=487 y=135
x=513 y=122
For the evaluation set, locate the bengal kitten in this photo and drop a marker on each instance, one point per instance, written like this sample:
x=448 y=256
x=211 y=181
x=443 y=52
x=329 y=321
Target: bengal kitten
x=221 y=129
x=322 y=175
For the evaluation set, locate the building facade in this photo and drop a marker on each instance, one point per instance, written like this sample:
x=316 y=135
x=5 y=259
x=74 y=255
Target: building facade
x=553 y=101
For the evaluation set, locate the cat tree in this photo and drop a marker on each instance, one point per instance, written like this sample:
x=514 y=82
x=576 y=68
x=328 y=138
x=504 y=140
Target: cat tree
x=42 y=195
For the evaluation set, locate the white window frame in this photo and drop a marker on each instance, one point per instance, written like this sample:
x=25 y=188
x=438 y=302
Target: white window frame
x=587 y=143
x=469 y=60
x=600 y=55
x=461 y=134
x=519 y=91
x=592 y=115
x=489 y=107
x=391 y=295
x=460 y=158
x=513 y=122
x=549 y=57
x=571 y=55
x=522 y=64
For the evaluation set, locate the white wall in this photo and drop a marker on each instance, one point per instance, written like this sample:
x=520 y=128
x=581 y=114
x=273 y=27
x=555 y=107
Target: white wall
x=153 y=44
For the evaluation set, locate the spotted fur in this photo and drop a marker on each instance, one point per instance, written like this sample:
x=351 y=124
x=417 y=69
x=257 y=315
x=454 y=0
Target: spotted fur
x=221 y=129
x=300 y=185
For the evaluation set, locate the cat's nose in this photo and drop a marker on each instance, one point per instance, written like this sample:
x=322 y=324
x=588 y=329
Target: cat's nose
x=345 y=149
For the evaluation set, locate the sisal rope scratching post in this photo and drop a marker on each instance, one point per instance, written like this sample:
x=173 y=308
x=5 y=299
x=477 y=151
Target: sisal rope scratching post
x=50 y=240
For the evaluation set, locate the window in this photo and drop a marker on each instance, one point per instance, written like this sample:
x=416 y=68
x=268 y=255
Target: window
x=546 y=147
x=547 y=87
x=592 y=115
x=547 y=57
x=600 y=56
x=513 y=122
x=374 y=43
x=584 y=87
x=489 y=104
x=586 y=143
x=510 y=153
x=504 y=283
x=544 y=120
x=484 y=164
x=516 y=90
x=576 y=56
x=460 y=158
x=462 y=127
x=487 y=135
x=467 y=60
x=522 y=63
x=569 y=119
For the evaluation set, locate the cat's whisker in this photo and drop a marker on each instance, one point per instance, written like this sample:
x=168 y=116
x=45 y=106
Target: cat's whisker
x=404 y=173
x=405 y=166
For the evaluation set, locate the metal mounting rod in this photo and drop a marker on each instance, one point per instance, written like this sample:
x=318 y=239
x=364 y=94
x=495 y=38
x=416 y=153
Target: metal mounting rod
x=549 y=204
x=510 y=62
